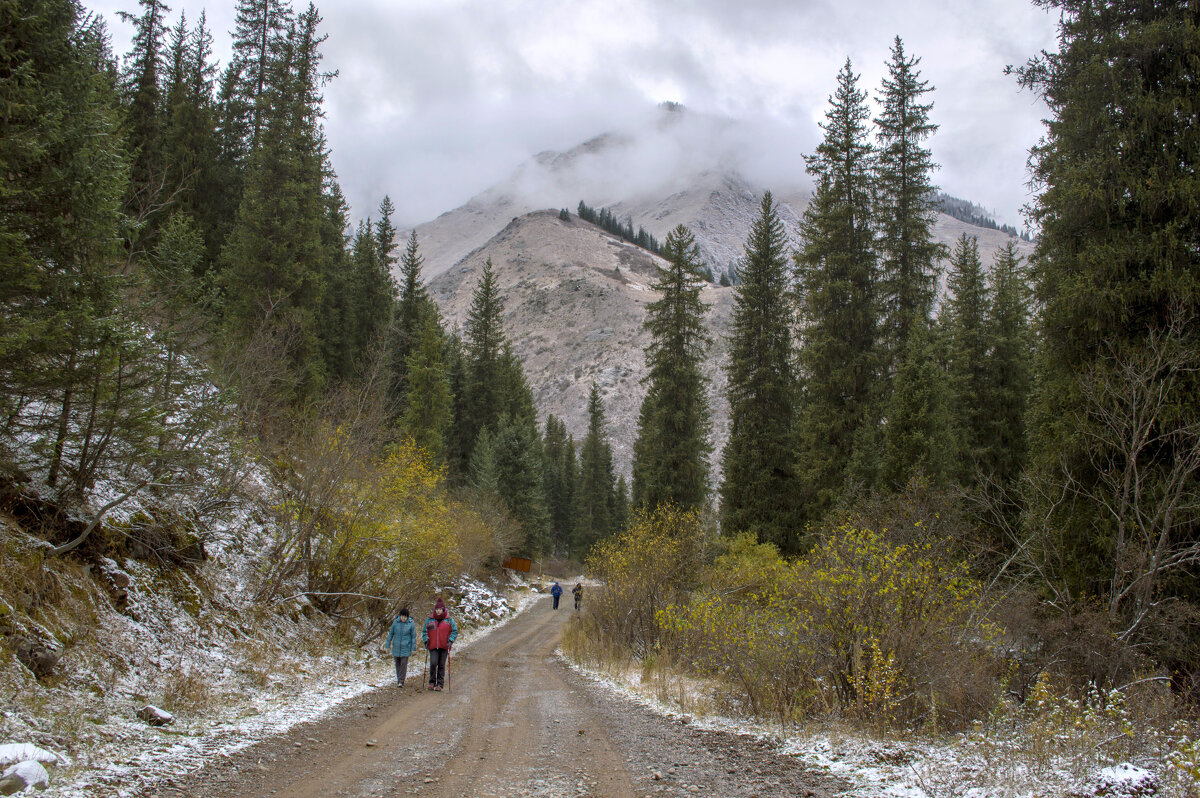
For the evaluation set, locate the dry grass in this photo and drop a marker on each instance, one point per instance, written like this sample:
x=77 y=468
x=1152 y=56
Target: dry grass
x=187 y=693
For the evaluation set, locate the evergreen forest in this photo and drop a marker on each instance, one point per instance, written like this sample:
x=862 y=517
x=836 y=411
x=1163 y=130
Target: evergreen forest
x=950 y=481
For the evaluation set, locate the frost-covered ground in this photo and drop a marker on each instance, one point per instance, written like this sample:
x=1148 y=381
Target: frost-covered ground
x=113 y=753
x=963 y=766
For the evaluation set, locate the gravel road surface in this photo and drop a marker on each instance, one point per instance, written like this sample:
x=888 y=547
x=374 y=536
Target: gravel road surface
x=515 y=722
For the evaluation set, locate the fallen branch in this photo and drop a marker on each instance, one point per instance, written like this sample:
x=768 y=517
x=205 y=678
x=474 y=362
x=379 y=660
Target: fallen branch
x=319 y=593
x=95 y=522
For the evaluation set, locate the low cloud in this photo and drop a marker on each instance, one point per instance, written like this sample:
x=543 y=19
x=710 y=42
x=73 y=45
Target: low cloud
x=438 y=99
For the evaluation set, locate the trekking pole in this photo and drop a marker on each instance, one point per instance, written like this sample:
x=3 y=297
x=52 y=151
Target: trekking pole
x=447 y=666
x=425 y=676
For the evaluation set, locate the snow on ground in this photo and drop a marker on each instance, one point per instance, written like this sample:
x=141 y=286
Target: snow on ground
x=128 y=755
x=890 y=768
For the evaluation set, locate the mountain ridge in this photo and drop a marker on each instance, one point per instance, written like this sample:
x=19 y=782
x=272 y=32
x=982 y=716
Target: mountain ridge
x=575 y=295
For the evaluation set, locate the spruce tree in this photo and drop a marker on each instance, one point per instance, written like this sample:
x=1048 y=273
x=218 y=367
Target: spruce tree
x=413 y=305
x=906 y=205
x=515 y=395
x=508 y=461
x=278 y=254
x=837 y=279
x=429 y=406
x=559 y=480
x=1116 y=262
x=670 y=455
x=918 y=438
x=759 y=488
x=74 y=343
x=459 y=438
x=191 y=148
x=144 y=122
x=259 y=36
x=385 y=235
x=970 y=369
x=1010 y=367
x=493 y=380
x=58 y=243
x=372 y=294
x=485 y=344
x=594 y=493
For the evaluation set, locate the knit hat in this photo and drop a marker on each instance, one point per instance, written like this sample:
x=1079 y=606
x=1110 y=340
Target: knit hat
x=439 y=609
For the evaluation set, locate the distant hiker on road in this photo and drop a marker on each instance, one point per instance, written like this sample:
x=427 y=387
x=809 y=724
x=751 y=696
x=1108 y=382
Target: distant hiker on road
x=577 y=592
x=556 y=592
x=401 y=640
x=438 y=635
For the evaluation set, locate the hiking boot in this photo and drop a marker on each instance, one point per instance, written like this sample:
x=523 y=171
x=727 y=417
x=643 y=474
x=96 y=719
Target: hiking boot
x=438 y=688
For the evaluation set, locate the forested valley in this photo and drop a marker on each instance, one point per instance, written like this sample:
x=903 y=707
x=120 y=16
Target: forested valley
x=958 y=496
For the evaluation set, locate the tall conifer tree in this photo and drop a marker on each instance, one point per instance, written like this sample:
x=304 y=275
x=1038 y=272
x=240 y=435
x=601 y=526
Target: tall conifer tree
x=837 y=276
x=259 y=35
x=1010 y=369
x=145 y=115
x=594 y=494
x=480 y=400
x=670 y=455
x=485 y=343
x=278 y=254
x=428 y=409
x=965 y=319
x=906 y=205
x=413 y=305
x=191 y=148
x=1116 y=263
x=759 y=488
x=559 y=479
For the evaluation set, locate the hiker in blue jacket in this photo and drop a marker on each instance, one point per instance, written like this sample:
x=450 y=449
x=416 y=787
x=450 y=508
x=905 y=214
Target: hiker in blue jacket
x=401 y=641
x=556 y=592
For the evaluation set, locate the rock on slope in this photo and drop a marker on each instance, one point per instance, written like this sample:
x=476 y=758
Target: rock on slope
x=575 y=298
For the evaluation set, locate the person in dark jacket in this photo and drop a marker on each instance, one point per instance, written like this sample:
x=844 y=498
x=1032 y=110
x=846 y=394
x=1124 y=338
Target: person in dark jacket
x=438 y=635
x=401 y=640
x=556 y=593
x=577 y=592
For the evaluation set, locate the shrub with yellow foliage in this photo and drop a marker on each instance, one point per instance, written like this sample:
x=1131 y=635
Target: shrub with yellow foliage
x=885 y=634
x=361 y=534
x=649 y=566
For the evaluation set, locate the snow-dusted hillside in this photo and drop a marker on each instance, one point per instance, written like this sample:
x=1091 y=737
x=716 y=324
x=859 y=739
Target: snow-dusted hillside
x=99 y=644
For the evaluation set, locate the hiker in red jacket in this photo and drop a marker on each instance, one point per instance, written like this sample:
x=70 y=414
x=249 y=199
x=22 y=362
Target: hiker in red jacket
x=438 y=634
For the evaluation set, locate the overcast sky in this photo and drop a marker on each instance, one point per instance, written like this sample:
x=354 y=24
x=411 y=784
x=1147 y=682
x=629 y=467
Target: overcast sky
x=438 y=99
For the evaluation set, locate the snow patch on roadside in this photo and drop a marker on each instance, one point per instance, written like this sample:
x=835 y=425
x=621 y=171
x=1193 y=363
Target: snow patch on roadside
x=155 y=755
x=884 y=768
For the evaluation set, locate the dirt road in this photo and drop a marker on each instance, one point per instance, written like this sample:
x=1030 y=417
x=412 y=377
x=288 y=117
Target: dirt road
x=515 y=722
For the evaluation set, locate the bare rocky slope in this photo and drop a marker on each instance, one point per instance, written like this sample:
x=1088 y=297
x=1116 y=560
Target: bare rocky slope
x=575 y=298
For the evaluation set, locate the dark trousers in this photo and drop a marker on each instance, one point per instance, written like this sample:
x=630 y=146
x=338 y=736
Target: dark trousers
x=401 y=669
x=578 y=601
x=555 y=600
x=437 y=666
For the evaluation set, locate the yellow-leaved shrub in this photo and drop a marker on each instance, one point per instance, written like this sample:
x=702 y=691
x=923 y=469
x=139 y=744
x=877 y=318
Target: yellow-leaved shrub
x=885 y=634
x=361 y=535
x=649 y=566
